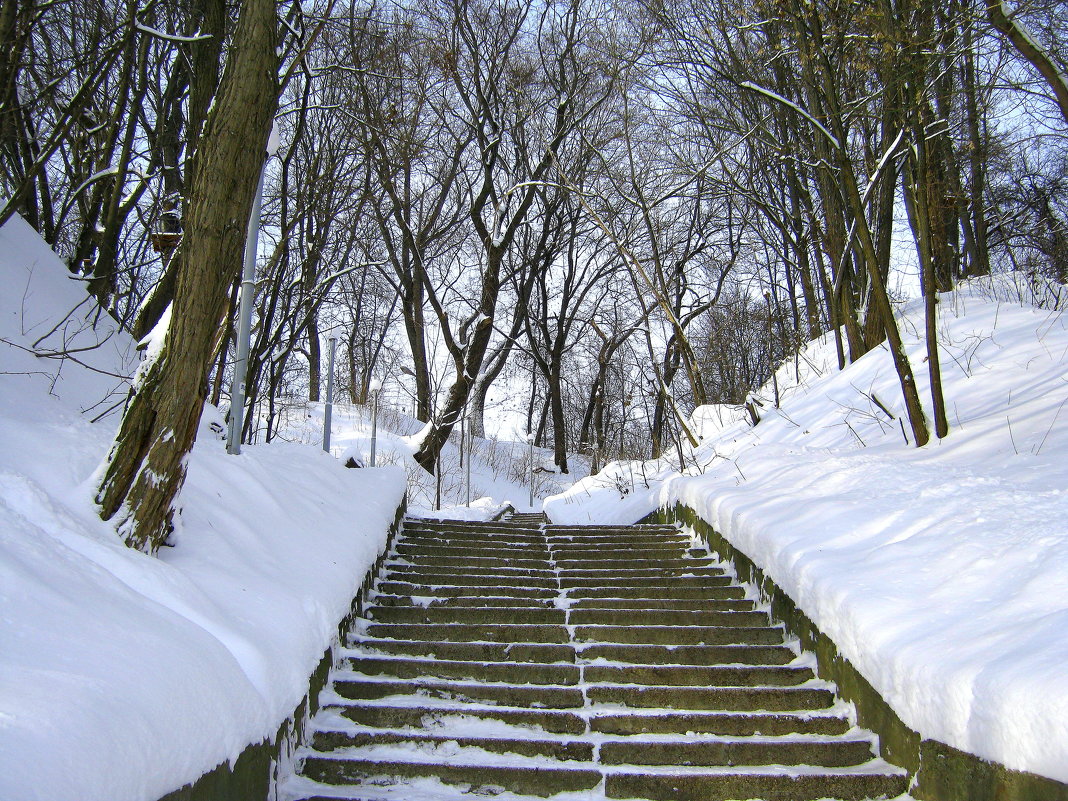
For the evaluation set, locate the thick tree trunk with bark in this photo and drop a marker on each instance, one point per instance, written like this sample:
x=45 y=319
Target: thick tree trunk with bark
x=146 y=467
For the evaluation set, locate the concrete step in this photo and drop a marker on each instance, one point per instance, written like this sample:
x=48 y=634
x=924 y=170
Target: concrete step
x=660 y=593
x=408 y=548
x=623 y=582
x=568 y=750
x=666 y=617
x=394 y=614
x=361 y=688
x=468 y=651
x=637 y=561
x=680 y=635
x=773 y=785
x=652 y=548
x=614 y=577
x=732 y=699
x=543 y=780
x=480 y=602
x=830 y=753
x=594 y=529
x=618 y=545
x=469 y=632
x=509 y=672
x=691 y=654
x=699 y=675
x=428 y=714
x=725 y=724
x=460 y=580
x=471 y=560
x=389 y=587
x=734 y=596
x=439 y=572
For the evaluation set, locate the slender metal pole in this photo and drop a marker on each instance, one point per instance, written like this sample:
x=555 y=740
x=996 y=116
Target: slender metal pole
x=470 y=447
x=329 y=413
x=531 y=438
x=437 y=480
x=244 y=322
x=374 y=425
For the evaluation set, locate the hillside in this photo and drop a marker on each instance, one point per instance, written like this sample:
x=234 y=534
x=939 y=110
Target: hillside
x=112 y=660
x=941 y=572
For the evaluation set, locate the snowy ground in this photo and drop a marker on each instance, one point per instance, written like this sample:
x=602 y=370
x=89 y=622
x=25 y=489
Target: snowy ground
x=942 y=572
x=500 y=469
x=122 y=676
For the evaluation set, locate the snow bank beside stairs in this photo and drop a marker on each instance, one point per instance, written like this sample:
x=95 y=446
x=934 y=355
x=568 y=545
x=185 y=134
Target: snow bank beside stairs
x=123 y=676
x=941 y=573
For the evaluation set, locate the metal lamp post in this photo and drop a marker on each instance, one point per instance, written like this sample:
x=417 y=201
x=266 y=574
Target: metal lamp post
x=328 y=412
x=530 y=442
x=375 y=388
x=248 y=295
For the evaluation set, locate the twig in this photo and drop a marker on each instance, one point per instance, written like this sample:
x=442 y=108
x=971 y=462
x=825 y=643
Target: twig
x=1058 y=414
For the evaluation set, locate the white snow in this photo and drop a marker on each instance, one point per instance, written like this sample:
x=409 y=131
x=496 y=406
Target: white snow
x=123 y=676
x=942 y=572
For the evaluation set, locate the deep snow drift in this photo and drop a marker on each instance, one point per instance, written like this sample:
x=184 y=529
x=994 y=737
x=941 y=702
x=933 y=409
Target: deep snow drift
x=941 y=572
x=122 y=676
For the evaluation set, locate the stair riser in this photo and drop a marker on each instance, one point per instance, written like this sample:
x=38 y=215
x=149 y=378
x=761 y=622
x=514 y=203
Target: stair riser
x=505 y=695
x=465 y=563
x=526 y=673
x=664 y=617
x=623 y=582
x=728 y=699
x=470 y=651
x=768 y=788
x=678 y=635
x=408 y=549
x=424 y=590
x=501 y=601
x=542 y=782
x=447 y=632
x=455 y=580
x=552 y=749
x=382 y=614
x=719 y=723
x=707 y=655
x=725 y=596
x=824 y=754
x=697 y=676
x=551 y=721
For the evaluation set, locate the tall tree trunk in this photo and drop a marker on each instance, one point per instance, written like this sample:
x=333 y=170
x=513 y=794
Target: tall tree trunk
x=145 y=469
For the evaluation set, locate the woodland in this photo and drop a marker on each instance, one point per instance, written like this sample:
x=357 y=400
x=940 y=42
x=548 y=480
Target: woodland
x=614 y=210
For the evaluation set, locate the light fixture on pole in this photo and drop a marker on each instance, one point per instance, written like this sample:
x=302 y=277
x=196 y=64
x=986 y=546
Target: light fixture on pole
x=248 y=295
x=374 y=388
x=328 y=412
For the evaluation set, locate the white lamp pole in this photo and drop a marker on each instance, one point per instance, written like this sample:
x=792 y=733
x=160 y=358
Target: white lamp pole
x=328 y=413
x=248 y=295
x=375 y=388
x=530 y=441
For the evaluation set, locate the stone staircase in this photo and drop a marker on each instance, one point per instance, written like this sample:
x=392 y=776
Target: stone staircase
x=523 y=659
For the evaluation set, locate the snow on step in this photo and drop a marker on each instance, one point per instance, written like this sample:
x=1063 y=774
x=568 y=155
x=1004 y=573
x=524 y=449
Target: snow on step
x=523 y=660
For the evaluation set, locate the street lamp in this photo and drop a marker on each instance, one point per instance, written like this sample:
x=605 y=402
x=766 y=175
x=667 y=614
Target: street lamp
x=375 y=388
x=248 y=295
x=530 y=442
x=328 y=413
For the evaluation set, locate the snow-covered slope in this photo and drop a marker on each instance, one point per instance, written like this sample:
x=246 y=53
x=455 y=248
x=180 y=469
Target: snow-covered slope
x=500 y=469
x=122 y=676
x=941 y=572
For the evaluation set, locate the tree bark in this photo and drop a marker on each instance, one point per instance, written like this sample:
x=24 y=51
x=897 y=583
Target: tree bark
x=145 y=469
